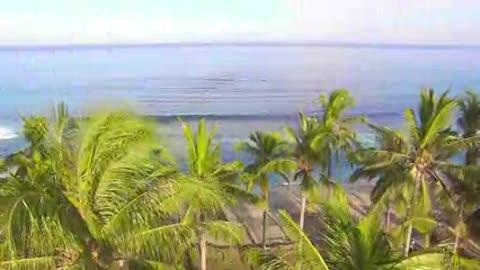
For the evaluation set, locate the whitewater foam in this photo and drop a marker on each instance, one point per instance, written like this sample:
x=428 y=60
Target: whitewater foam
x=7 y=133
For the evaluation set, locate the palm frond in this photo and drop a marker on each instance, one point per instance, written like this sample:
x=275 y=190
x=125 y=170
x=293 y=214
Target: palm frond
x=307 y=254
x=34 y=263
x=263 y=259
x=225 y=231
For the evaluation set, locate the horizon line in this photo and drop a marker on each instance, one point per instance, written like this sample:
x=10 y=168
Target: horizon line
x=379 y=45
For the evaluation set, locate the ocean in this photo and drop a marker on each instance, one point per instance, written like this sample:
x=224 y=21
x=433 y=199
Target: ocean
x=240 y=87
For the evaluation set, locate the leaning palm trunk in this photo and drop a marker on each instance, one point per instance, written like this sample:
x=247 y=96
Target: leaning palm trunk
x=388 y=219
x=302 y=211
x=408 y=237
x=203 y=252
x=329 y=166
x=264 y=230
x=458 y=228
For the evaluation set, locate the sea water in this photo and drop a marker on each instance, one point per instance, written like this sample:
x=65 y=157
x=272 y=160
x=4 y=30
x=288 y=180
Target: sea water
x=241 y=88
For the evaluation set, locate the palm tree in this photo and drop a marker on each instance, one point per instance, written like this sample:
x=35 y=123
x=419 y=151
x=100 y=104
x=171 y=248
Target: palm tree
x=268 y=151
x=469 y=122
x=424 y=155
x=306 y=157
x=346 y=243
x=337 y=129
x=467 y=186
x=205 y=204
x=389 y=177
x=92 y=195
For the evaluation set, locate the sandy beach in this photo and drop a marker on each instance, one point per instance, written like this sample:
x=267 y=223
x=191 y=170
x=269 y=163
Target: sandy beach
x=288 y=197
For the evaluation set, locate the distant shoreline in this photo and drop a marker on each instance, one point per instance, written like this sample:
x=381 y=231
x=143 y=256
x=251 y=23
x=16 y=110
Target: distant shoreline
x=352 y=45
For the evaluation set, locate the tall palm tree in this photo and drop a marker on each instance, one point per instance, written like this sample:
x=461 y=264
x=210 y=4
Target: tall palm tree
x=306 y=157
x=269 y=153
x=469 y=122
x=425 y=153
x=338 y=135
x=467 y=186
x=92 y=195
x=205 y=204
x=346 y=243
x=389 y=177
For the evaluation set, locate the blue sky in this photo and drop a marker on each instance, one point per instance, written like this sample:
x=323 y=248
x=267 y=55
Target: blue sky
x=125 y=21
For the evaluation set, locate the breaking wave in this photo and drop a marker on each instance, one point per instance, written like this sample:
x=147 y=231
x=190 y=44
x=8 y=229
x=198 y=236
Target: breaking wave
x=7 y=133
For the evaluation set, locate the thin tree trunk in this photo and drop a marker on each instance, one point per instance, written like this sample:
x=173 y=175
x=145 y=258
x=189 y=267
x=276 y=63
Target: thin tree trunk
x=408 y=237
x=388 y=220
x=188 y=261
x=457 y=229
x=470 y=157
x=329 y=166
x=264 y=232
x=407 y=240
x=123 y=265
x=302 y=212
x=203 y=252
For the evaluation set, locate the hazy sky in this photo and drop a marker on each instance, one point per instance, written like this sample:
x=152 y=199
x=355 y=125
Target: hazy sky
x=114 y=21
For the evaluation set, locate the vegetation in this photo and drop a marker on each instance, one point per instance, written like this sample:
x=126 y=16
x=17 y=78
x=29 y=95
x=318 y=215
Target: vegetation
x=102 y=192
x=269 y=153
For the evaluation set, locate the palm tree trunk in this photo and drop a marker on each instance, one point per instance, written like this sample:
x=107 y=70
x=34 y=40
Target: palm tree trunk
x=470 y=157
x=329 y=166
x=302 y=212
x=457 y=229
x=188 y=260
x=264 y=232
x=388 y=220
x=123 y=265
x=203 y=252
x=408 y=237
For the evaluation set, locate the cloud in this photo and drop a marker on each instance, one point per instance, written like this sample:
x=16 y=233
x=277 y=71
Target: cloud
x=400 y=21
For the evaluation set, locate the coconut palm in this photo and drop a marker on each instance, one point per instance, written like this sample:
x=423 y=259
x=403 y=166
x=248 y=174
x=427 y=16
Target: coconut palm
x=92 y=196
x=306 y=156
x=206 y=204
x=338 y=136
x=389 y=177
x=425 y=152
x=268 y=151
x=345 y=243
x=469 y=122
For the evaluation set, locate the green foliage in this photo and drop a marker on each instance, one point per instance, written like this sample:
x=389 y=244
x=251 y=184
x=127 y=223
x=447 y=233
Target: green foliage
x=89 y=194
x=304 y=150
x=269 y=152
x=102 y=193
x=337 y=135
x=469 y=122
x=346 y=243
x=213 y=187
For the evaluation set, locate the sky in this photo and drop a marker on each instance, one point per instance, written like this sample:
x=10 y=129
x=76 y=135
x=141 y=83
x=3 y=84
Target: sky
x=151 y=21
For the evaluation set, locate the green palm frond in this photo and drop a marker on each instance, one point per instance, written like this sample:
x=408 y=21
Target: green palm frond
x=469 y=119
x=262 y=259
x=34 y=263
x=337 y=102
x=352 y=244
x=225 y=231
x=459 y=262
x=278 y=165
x=423 y=261
x=307 y=255
x=163 y=243
x=96 y=187
x=422 y=224
x=469 y=122
x=442 y=121
x=411 y=122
